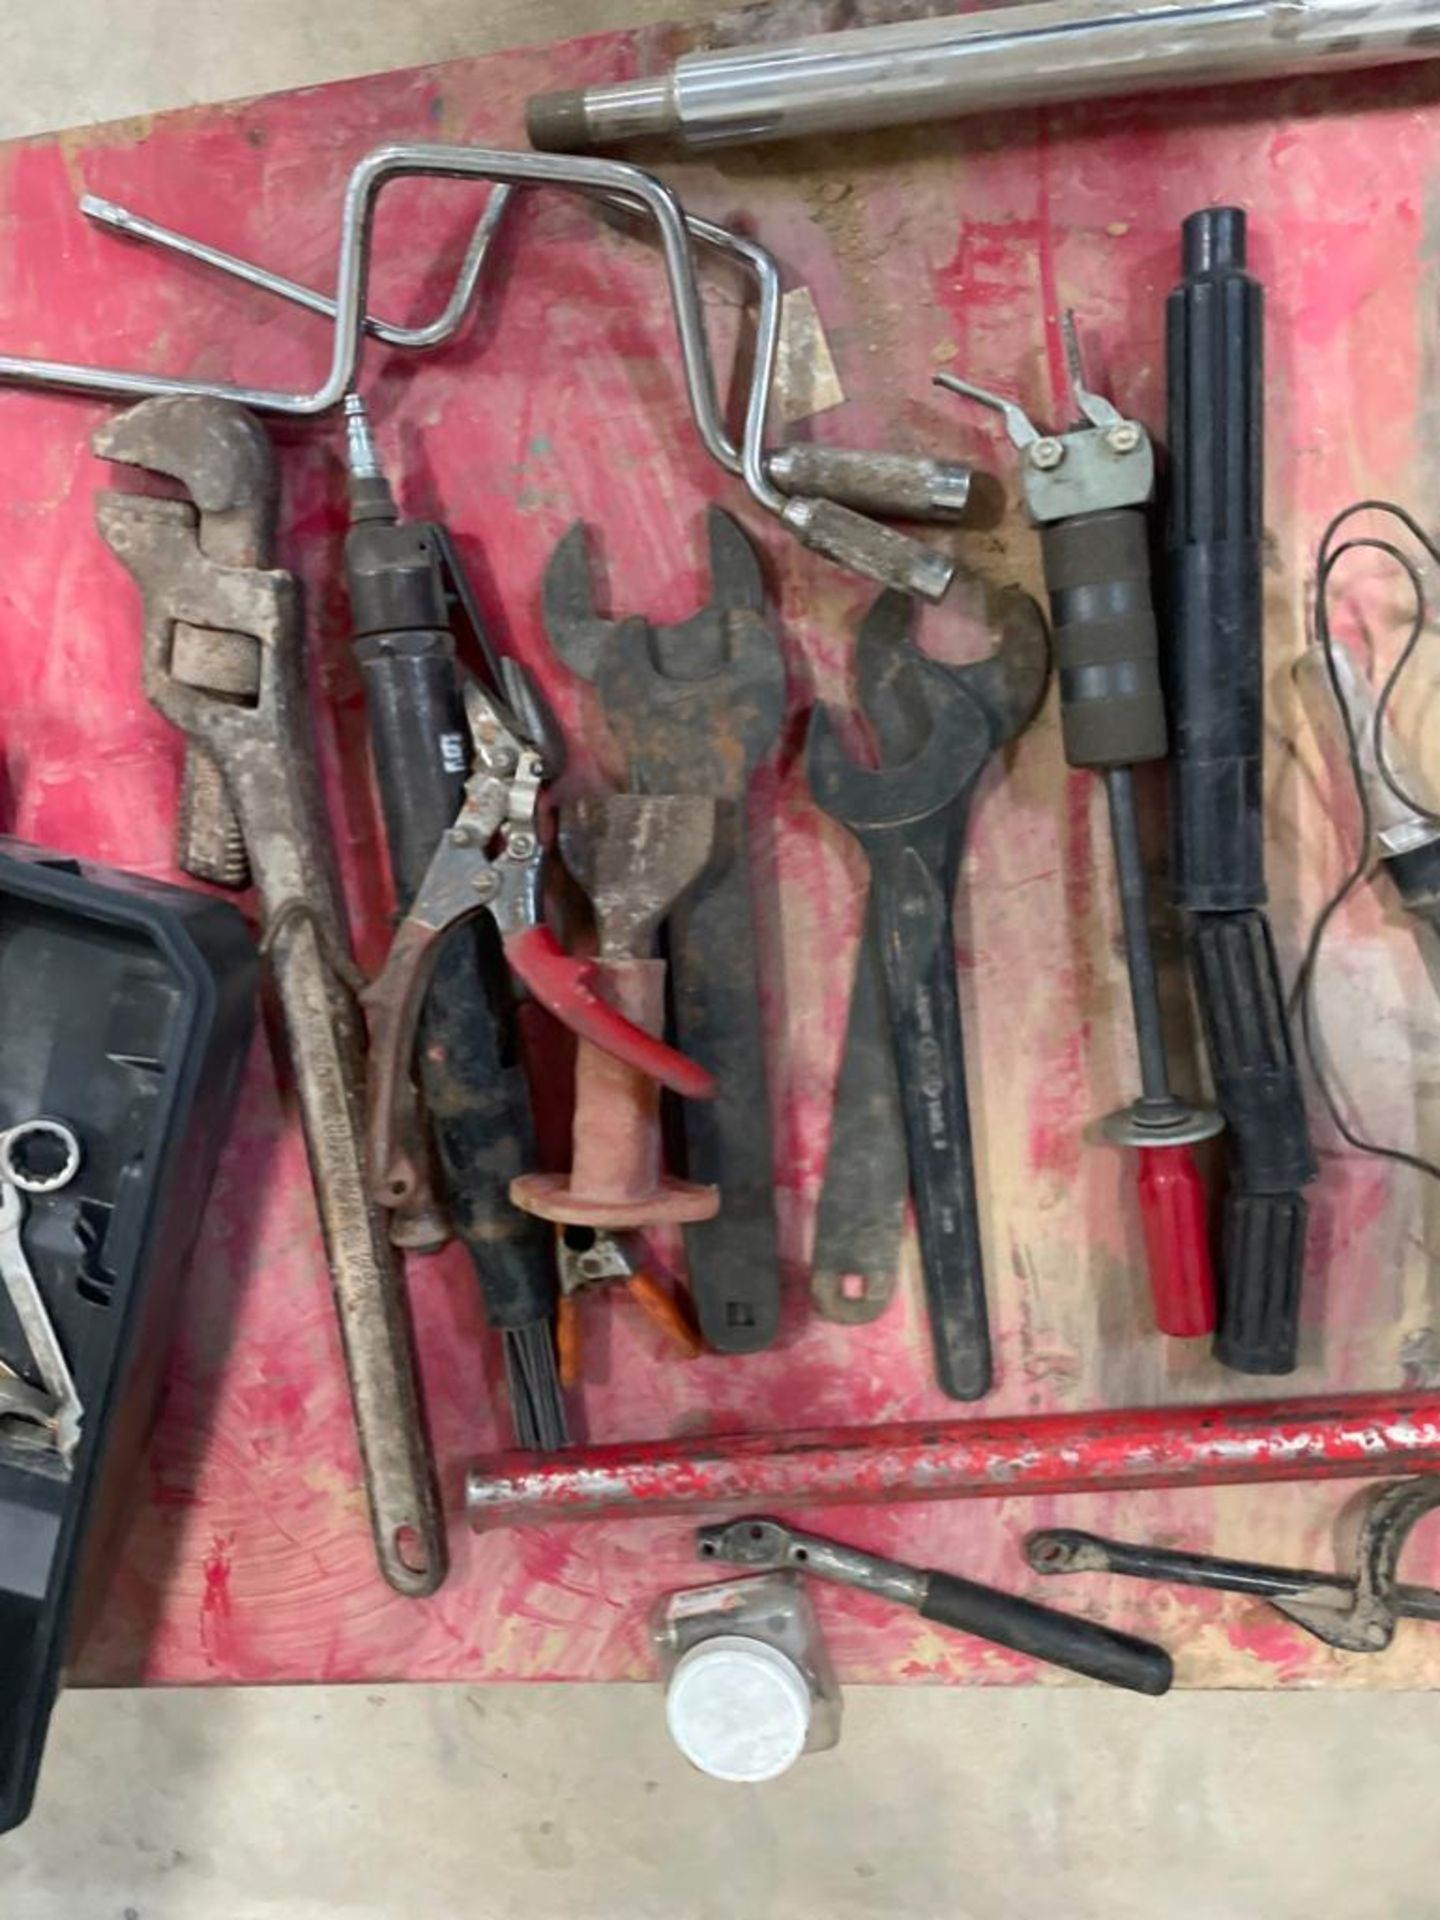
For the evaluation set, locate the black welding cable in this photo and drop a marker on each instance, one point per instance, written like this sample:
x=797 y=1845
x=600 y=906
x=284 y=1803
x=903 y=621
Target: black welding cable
x=1303 y=996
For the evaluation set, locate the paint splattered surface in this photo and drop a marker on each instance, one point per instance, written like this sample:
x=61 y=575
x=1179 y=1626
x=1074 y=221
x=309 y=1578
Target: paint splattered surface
x=248 y=1557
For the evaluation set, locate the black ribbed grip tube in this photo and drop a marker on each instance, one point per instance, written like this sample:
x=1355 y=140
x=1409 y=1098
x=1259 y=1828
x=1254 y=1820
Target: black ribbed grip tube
x=1214 y=678
x=1215 y=525
x=1257 y=1084
x=1097 y=574
x=1257 y=1088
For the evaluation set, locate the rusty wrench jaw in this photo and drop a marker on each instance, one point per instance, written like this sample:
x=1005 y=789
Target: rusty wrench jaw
x=265 y=754
x=231 y=478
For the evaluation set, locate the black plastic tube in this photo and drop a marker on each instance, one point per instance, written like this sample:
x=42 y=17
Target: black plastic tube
x=1215 y=527
x=1213 y=671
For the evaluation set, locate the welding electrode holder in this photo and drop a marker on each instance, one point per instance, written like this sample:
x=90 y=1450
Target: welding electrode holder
x=1214 y=682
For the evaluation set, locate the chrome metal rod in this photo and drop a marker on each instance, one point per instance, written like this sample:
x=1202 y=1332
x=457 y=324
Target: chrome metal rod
x=749 y=254
x=845 y=535
x=902 y=486
x=1135 y=919
x=136 y=226
x=352 y=277
x=1001 y=58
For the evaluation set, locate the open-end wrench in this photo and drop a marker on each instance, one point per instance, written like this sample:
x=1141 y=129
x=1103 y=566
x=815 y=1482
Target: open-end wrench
x=860 y=1217
x=17 y=1179
x=910 y=819
x=264 y=750
x=695 y=707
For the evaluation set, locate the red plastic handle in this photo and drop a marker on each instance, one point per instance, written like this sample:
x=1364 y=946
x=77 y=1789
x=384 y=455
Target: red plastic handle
x=1177 y=1242
x=566 y=986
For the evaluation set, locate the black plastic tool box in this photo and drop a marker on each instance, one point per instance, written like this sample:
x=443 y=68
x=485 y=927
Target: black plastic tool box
x=126 y=1009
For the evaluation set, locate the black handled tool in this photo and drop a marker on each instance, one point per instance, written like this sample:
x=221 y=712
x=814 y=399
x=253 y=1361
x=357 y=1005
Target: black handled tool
x=695 y=708
x=1059 y=1639
x=1213 y=661
x=910 y=818
x=403 y=577
x=1355 y=1611
x=860 y=1214
x=1087 y=490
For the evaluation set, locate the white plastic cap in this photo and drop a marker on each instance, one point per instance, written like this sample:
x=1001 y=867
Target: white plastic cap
x=738 y=1709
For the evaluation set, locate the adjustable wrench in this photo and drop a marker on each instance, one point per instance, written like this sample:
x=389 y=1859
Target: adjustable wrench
x=910 y=819
x=265 y=754
x=695 y=708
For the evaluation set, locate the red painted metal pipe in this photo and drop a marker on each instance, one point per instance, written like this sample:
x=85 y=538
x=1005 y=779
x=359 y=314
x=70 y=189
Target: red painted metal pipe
x=1354 y=1435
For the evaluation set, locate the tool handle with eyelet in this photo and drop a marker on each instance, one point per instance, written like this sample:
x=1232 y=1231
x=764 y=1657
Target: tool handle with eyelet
x=913 y=923
x=1059 y=1639
x=1062 y=1550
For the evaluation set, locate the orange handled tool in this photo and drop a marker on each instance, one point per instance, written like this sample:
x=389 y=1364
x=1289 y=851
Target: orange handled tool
x=588 y=1257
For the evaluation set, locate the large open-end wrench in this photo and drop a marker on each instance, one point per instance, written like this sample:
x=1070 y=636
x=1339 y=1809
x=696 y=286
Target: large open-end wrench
x=910 y=819
x=695 y=707
x=265 y=754
x=860 y=1215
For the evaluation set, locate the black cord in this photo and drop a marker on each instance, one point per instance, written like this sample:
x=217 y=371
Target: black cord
x=1303 y=997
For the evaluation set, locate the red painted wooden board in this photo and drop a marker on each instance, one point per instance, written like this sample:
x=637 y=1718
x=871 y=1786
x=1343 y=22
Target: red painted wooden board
x=248 y=1558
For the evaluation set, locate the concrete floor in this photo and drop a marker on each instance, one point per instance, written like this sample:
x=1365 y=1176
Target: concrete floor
x=297 y=1804
x=501 y=1802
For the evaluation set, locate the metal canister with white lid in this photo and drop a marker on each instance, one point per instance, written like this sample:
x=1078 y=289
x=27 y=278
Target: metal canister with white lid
x=749 y=1684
